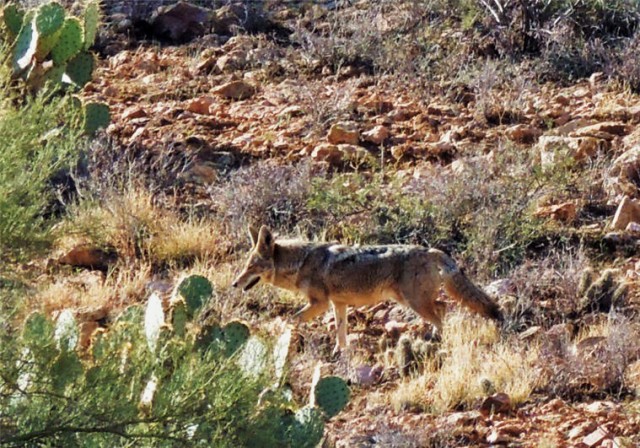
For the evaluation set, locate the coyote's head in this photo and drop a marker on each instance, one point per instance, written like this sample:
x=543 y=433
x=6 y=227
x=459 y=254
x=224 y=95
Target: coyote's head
x=260 y=265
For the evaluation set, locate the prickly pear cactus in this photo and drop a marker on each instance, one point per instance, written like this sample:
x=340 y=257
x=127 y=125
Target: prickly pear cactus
x=69 y=42
x=80 y=68
x=37 y=328
x=26 y=44
x=196 y=291
x=209 y=335
x=66 y=333
x=96 y=116
x=49 y=19
x=235 y=334
x=179 y=318
x=305 y=428
x=66 y=369
x=331 y=394
x=91 y=21
x=13 y=17
x=153 y=320
x=254 y=357
x=281 y=353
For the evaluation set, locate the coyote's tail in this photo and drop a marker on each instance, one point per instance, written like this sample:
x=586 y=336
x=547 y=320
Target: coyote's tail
x=459 y=287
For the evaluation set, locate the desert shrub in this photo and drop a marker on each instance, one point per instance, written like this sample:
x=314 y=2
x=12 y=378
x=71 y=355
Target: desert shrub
x=42 y=137
x=265 y=193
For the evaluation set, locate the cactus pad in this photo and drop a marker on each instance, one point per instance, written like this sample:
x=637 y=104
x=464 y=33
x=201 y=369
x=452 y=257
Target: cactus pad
x=331 y=394
x=281 y=353
x=305 y=429
x=54 y=75
x=66 y=368
x=80 y=68
x=153 y=320
x=26 y=44
x=91 y=20
x=179 y=318
x=13 y=17
x=49 y=19
x=66 y=333
x=196 y=291
x=36 y=328
x=209 y=334
x=70 y=41
x=96 y=116
x=235 y=334
x=253 y=357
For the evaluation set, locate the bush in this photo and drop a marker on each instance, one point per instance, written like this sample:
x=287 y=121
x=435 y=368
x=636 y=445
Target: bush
x=41 y=141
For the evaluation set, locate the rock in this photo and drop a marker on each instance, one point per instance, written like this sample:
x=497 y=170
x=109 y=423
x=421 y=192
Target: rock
x=344 y=132
x=467 y=418
x=606 y=130
x=235 y=90
x=86 y=256
x=86 y=330
x=179 y=23
x=579 y=430
x=565 y=212
x=522 y=133
x=624 y=175
x=596 y=437
x=495 y=404
x=376 y=135
x=352 y=152
x=201 y=105
x=133 y=112
x=628 y=211
x=601 y=407
x=497 y=436
x=232 y=17
x=235 y=60
x=529 y=333
x=365 y=375
x=395 y=328
x=580 y=149
x=440 y=110
x=326 y=152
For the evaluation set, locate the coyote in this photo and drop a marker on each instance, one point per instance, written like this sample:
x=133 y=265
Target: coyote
x=360 y=275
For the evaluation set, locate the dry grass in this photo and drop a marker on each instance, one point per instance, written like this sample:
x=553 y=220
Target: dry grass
x=472 y=352
x=137 y=228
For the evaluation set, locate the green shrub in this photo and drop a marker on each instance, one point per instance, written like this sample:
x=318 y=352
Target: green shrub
x=41 y=139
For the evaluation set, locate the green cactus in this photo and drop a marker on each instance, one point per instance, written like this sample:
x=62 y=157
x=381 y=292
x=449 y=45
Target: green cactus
x=305 y=428
x=69 y=42
x=235 y=334
x=253 y=357
x=37 y=328
x=196 y=291
x=91 y=21
x=179 y=318
x=281 y=353
x=25 y=45
x=66 y=368
x=66 y=333
x=331 y=394
x=153 y=320
x=132 y=314
x=96 y=116
x=209 y=335
x=13 y=17
x=49 y=19
x=54 y=75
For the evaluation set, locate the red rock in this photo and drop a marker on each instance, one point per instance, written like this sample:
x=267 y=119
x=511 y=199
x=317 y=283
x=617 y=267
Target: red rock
x=133 y=112
x=522 y=133
x=236 y=90
x=395 y=328
x=596 y=437
x=376 y=135
x=565 y=212
x=496 y=404
x=344 y=132
x=628 y=211
x=85 y=256
x=201 y=105
x=327 y=152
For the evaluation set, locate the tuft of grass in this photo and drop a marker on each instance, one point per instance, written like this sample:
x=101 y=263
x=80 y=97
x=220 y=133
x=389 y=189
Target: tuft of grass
x=471 y=351
x=137 y=227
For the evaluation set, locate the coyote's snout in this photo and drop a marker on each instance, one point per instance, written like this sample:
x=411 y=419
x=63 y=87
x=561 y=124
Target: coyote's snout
x=345 y=275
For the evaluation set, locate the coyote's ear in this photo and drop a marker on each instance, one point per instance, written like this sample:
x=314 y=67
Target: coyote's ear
x=265 y=237
x=253 y=234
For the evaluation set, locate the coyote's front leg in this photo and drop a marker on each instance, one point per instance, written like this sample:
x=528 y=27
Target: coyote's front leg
x=314 y=308
x=340 y=314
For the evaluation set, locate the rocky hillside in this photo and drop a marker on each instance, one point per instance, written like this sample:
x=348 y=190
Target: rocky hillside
x=506 y=134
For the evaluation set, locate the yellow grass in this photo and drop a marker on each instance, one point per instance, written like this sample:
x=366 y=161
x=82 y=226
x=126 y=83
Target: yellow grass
x=473 y=353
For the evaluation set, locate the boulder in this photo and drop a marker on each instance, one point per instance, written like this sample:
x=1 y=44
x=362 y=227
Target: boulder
x=628 y=211
x=344 y=132
x=235 y=90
